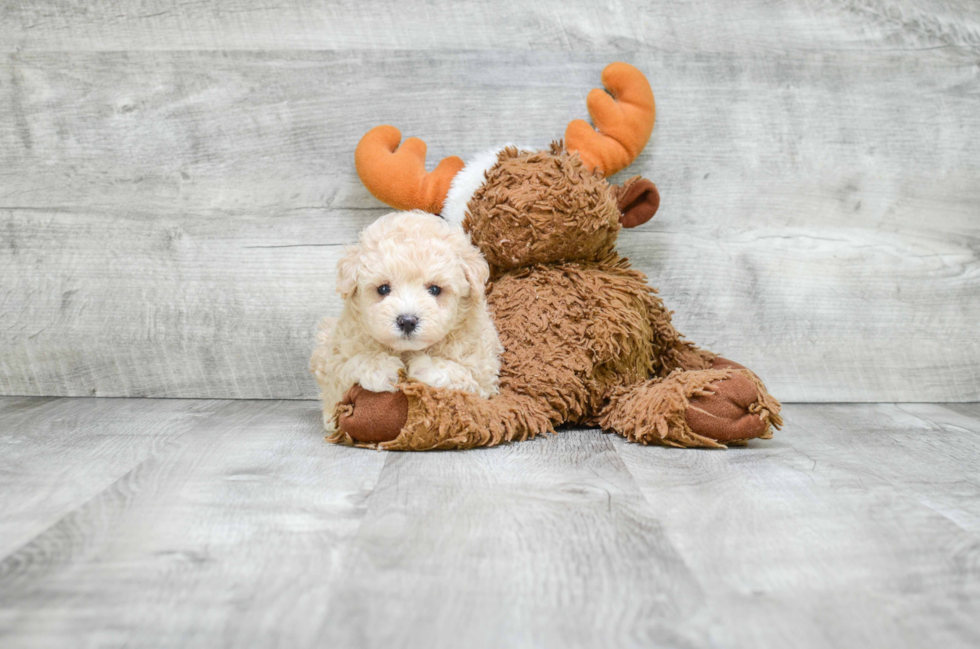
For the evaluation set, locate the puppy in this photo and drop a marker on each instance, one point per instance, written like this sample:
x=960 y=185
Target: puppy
x=414 y=301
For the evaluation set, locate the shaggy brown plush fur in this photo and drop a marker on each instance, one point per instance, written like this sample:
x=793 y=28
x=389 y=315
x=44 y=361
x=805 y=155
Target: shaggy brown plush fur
x=542 y=207
x=426 y=426
x=586 y=340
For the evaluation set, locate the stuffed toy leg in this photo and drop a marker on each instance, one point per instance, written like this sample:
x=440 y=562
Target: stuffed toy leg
x=710 y=408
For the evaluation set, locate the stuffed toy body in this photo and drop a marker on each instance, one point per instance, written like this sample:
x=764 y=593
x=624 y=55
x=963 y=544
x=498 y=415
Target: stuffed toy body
x=586 y=340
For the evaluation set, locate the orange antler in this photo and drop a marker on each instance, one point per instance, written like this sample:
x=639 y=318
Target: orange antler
x=396 y=175
x=623 y=121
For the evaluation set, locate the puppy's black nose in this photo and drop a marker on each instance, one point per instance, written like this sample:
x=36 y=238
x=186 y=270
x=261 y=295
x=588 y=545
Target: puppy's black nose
x=407 y=323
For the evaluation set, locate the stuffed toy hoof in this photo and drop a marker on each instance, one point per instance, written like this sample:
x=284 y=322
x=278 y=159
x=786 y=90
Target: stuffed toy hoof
x=732 y=410
x=371 y=417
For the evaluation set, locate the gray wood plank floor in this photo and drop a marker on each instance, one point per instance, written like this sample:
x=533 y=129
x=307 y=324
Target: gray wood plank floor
x=153 y=523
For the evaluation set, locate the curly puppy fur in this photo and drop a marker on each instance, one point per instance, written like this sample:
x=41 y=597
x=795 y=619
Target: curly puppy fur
x=586 y=340
x=428 y=270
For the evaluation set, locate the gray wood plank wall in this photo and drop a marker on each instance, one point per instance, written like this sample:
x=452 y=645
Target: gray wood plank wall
x=176 y=180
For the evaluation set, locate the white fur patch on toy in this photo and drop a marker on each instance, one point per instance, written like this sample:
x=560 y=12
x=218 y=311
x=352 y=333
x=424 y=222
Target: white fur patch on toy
x=468 y=180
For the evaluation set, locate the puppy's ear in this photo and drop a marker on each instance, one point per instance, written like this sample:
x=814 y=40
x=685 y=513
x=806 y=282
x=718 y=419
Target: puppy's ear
x=475 y=267
x=347 y=269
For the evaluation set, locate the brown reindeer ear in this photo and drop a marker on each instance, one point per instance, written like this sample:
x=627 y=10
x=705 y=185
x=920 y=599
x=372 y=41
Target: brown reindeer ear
x=638 y=200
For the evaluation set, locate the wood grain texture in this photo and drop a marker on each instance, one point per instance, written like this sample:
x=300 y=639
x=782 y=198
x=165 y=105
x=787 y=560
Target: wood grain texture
x=545 y=543
x=552 y=25
x=190 y=545
x=169 y=220
x=856 y=526
x=824 y=531
x=58 y=454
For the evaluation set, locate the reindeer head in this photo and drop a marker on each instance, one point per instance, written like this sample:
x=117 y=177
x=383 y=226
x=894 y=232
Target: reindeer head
x=523 y=207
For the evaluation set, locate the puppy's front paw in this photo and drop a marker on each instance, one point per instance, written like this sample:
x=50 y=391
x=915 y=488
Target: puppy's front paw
x=430 y=374
x=440 y=373
x=381 y=377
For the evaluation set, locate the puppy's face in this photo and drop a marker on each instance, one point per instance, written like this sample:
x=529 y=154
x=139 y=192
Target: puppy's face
x=411 y=279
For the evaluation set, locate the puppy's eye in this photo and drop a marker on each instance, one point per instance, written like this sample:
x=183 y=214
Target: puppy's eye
x=435 y=290
x=384 y=290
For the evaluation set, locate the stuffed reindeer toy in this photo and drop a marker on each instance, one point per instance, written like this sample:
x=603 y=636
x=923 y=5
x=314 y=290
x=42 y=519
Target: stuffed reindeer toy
x=586 y=341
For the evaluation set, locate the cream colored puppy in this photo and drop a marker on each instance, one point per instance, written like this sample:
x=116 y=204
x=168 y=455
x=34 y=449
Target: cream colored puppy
x=414 y=300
